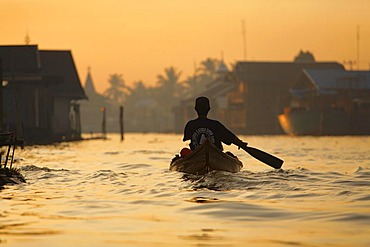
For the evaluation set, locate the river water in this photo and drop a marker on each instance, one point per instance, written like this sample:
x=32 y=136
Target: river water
x=112 y=193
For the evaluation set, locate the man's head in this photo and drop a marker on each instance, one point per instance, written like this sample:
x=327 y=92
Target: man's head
x=202 y=106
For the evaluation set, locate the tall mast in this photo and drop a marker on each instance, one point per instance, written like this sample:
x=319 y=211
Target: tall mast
x=244 y=41
x=358 y=47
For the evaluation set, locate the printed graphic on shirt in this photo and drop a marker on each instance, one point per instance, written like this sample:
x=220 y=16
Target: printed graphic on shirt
x=202 y=134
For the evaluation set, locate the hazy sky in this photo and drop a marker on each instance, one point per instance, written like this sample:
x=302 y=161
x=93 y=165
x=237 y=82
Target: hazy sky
x=139 y=38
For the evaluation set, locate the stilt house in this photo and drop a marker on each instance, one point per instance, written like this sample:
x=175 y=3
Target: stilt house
x=40 y=91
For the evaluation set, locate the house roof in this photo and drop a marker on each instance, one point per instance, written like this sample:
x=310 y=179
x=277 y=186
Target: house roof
x=20 y=62
x=60 y=64
x=338 y=79
x=277 y=73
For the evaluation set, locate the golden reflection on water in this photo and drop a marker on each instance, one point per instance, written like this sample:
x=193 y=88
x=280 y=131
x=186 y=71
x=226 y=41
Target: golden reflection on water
x=112 y=193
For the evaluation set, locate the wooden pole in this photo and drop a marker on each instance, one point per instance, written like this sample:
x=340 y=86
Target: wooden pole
x=244 y=41
x=104 y=128
x=76 y=108
x=121 y=122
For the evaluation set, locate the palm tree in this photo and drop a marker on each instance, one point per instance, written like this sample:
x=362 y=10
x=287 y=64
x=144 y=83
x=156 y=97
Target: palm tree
x=209 y=67
x=170 y=84
x=118 y=90
x=192 y=86
x=139 y=92
x=205 y=74
x=140 y=106
x=169 y=91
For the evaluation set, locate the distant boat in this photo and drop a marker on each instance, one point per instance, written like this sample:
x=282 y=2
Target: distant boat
x=300 y=121
x=329 y=102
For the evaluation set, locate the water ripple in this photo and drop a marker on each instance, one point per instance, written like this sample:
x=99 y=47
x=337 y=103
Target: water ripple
x=99 y=193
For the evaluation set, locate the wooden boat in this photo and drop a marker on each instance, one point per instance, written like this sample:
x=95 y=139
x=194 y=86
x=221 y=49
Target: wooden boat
x=206 y=158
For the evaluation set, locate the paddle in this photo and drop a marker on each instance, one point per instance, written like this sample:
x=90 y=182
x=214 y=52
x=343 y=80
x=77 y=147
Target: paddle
x=264 y=157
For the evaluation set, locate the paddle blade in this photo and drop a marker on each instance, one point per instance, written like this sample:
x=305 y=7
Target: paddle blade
x=264 y=157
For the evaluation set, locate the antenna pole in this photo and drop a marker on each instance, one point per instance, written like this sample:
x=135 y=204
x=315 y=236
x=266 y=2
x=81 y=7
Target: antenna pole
x=244 y=41
x=358 y=47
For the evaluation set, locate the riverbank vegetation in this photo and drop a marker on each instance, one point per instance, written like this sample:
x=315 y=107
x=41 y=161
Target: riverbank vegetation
x=157 y=103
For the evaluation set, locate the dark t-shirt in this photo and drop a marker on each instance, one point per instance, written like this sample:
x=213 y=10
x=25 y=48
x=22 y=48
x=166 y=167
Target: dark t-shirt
x=200 y=129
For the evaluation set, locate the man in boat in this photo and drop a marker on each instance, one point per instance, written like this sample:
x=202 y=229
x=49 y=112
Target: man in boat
x=202 y=128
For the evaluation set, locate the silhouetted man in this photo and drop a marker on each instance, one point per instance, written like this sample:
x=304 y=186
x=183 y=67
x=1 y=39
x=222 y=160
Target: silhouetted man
x=202 y=128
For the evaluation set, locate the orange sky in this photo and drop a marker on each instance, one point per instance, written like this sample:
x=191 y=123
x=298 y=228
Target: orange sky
x=139 y=38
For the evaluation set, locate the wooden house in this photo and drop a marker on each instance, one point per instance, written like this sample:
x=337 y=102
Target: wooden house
x=65 y=91
x=40 y=90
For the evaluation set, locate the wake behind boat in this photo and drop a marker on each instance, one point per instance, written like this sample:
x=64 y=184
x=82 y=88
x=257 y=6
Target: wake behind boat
x=204 y=159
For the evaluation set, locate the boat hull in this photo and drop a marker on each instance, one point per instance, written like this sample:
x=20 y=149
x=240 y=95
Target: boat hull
x=206 y=158
x=310 y=122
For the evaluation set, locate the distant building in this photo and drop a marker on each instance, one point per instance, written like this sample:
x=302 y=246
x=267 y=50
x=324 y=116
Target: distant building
x=40 y=91
x=249 y=98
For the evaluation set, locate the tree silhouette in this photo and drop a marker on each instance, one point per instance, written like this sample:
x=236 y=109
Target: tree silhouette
x=170 y=83
x=118 y=89
x=139 y=93
x=169 y=91
x=141 y=108
x=152 y=109
x=209 y=67
x=192 y=86
x=204 y=75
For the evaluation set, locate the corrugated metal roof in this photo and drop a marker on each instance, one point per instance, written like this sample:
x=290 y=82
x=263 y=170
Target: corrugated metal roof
x=338 y=79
